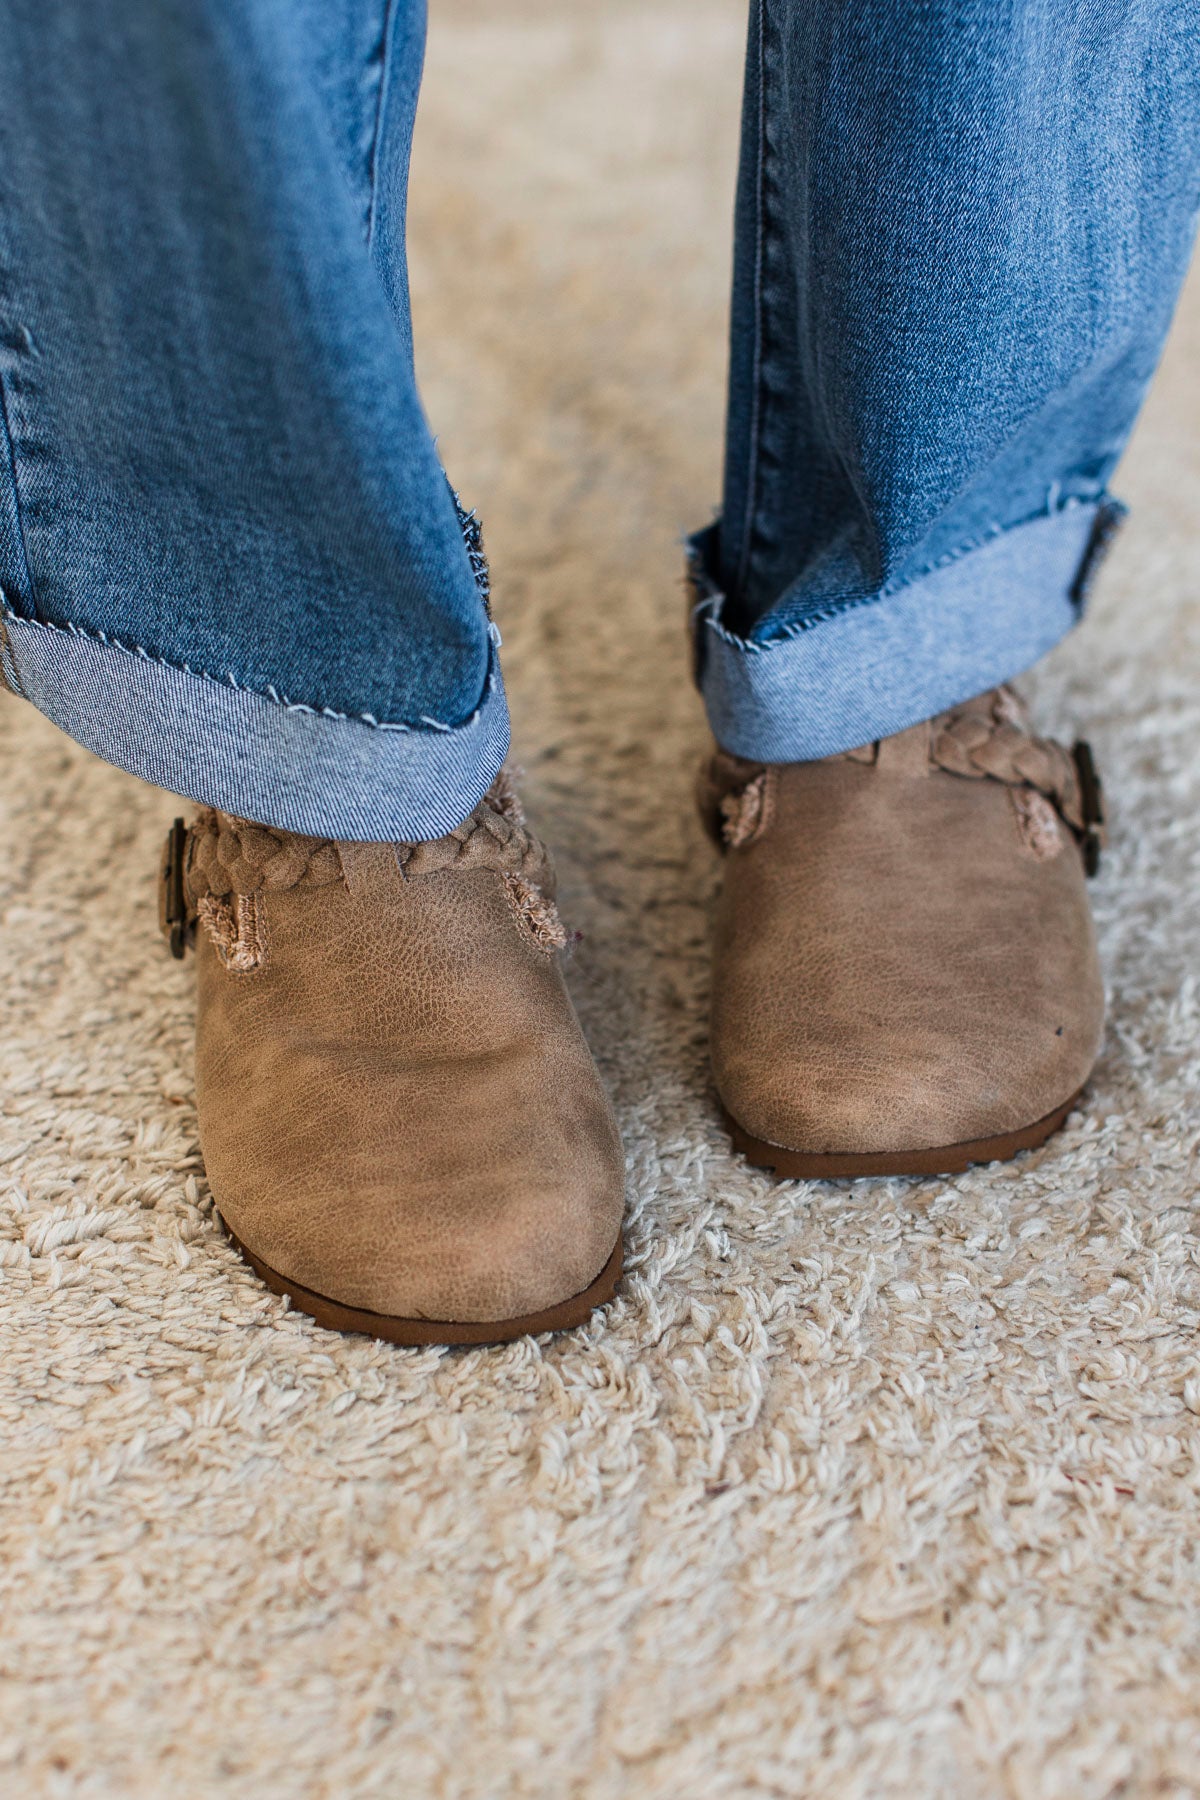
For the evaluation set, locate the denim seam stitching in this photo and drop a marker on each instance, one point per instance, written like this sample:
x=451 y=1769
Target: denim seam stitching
x=753 y=445
x=887 y=592
x=270 y=694
x=10 y=446
x=389 y=16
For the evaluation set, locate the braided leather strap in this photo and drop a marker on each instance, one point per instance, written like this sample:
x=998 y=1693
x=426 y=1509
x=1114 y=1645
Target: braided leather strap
x=989 y=742
x=983 y=749
x=217 y=857
x=232 y=856
x=997 y=745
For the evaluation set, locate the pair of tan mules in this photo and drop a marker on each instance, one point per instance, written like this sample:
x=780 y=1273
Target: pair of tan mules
x=403 y=1126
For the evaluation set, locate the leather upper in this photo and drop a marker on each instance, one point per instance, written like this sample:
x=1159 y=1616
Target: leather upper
x=904 y=954
x=397 y=1106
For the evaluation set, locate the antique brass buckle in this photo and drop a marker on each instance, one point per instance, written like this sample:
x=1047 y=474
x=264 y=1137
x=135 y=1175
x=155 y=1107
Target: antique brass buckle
x=172 y=900
x=1092 y=836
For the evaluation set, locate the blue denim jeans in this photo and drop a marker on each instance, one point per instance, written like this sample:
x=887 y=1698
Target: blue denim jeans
x=229 y=558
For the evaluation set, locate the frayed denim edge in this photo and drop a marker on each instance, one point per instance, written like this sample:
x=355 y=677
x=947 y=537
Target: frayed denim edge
x=472 y=533
x=973 y=621
x=711 y=599
x=298 y=769
x=271 y=694
x=258 y=755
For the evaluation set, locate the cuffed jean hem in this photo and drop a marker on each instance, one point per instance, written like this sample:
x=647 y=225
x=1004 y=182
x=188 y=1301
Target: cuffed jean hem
x=865 y=670
x=287 y=766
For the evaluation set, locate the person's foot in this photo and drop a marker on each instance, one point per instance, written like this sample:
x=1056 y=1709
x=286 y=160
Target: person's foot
x=905 y=973
x=402 y=1125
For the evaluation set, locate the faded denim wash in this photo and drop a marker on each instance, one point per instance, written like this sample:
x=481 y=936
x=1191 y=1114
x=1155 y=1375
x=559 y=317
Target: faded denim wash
x=961 y=230
x=229 y=558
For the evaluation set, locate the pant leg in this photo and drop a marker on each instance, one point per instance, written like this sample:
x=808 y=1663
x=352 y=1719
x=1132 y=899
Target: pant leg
x=230 y=560
x=960 y=232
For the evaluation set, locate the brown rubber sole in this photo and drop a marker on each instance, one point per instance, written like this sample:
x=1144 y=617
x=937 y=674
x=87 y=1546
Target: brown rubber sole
x=946 y=1159
x=336 y=1317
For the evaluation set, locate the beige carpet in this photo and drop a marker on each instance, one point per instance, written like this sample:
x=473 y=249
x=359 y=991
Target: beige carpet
x=859 y=1490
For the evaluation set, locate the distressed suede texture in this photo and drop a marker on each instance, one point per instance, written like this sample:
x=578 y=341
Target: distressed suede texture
x=901 y=961
x=397 y=1106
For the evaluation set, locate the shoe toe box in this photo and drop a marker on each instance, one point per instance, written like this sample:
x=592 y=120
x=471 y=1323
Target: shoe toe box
x=921 y=992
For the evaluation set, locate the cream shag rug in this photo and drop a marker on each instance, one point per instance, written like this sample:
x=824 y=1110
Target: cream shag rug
x=887 y=1488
